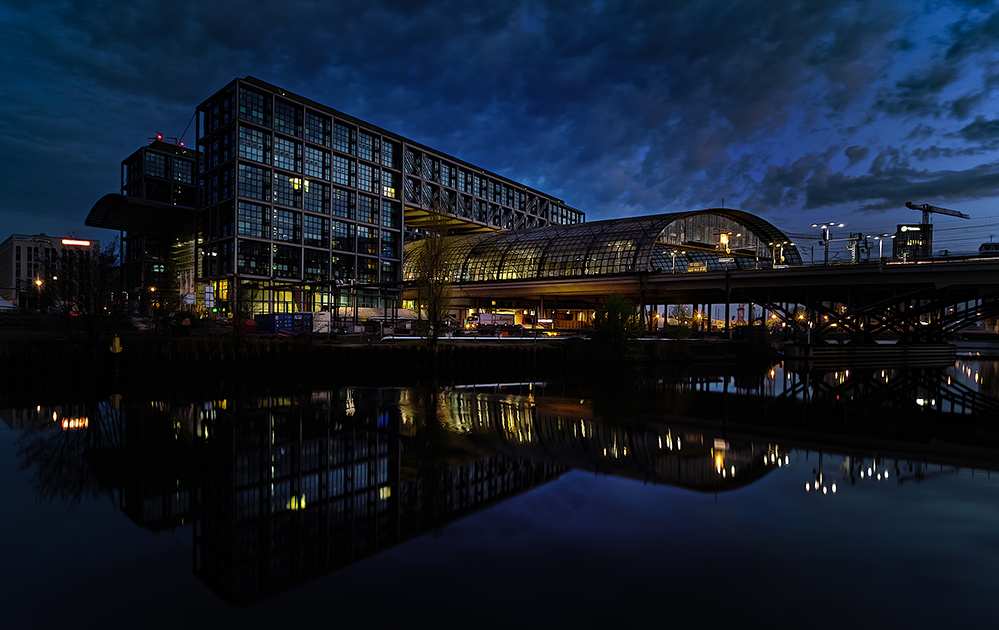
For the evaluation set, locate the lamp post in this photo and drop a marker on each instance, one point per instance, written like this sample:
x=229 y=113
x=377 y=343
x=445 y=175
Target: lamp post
x=827 y=234
x=881 y=244
x=673 y=254
x=38 y=303
x=776 y=247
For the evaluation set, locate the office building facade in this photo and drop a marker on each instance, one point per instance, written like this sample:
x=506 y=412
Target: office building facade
x=302 y=207
x=29 y=263
x=162 y=172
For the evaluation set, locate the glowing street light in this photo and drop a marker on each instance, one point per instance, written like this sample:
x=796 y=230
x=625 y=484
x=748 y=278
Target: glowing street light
x=827 y=234
x=673 y=254
x=881 y=244
x=778 y=247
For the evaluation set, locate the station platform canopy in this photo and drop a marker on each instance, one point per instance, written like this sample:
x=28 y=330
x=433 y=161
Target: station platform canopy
x=131 y=214
x=701 y=240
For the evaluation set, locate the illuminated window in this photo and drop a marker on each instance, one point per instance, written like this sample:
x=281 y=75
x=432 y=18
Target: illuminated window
x=287 y=190
x=390 y=182
x=316 y=196
x=367 y=240
x=367 y=270
x=182 y=170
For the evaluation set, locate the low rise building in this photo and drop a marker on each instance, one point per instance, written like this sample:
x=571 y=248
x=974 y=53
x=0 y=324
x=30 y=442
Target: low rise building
x=29 y=263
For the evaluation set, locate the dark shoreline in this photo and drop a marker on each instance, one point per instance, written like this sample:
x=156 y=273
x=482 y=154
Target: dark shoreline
x=31 y=366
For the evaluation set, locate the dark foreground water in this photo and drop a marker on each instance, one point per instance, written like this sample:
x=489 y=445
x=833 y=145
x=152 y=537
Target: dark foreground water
x=768 y=500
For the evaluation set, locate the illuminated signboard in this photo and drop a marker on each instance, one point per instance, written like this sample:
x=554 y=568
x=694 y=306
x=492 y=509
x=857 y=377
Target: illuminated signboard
x=73 y=241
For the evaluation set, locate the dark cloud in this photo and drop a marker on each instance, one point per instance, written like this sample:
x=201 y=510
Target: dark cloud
x=856 y=153
x=964 y=106
x=981 y=130
x=920 y=132
x=888 y=184
x=935 y=152
x=618 y=108
x=973 y=37
x=918 y=93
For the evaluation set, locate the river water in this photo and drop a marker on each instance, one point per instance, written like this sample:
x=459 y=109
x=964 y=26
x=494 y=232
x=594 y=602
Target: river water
x=842 y=497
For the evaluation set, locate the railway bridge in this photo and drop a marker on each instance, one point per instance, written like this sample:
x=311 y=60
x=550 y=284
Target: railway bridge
x=718 y=257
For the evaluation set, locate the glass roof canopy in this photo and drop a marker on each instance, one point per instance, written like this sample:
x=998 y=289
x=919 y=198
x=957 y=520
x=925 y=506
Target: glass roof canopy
x=700 y=240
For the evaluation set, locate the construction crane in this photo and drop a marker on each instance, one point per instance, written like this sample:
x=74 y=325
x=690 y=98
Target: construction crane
x=927 y=209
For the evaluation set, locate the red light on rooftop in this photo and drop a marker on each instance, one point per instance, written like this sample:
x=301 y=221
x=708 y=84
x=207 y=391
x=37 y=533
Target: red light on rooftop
x=72 y=241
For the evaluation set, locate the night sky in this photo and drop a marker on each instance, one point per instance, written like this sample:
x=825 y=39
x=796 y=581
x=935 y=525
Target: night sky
x=800 y=111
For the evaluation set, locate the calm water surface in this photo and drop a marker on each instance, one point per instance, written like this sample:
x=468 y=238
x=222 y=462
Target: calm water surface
x=832 y=499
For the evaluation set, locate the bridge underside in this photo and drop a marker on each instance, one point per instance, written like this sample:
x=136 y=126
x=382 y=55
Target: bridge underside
x=860 y=302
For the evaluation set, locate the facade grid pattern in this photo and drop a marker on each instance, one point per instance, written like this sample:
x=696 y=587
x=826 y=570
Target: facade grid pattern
x=297 y=163
x=707 y=240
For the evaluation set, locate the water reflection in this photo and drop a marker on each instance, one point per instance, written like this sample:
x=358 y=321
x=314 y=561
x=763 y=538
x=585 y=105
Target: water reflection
x=285 y=488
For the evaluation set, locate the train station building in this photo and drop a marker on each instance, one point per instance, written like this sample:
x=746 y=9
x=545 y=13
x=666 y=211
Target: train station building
x=300 y=207
x=557 y=276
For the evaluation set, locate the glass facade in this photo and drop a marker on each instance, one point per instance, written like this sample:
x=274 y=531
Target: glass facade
x=294 y=190
x=707 y=240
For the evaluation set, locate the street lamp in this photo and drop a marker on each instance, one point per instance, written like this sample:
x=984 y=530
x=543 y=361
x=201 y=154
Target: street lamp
x=673 y=254
x=38 y=304
x=827 y=234
x=776 y=247
x=881 y=244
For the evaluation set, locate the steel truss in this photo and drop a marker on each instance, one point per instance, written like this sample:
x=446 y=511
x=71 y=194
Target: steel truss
x=915 y=315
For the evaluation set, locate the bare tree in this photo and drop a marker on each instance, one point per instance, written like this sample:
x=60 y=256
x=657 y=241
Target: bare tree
x=243 y=302
x=86 y=289
x=428 y=266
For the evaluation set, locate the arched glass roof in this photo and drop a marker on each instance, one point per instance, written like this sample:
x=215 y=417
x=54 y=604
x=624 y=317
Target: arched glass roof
x=701 y=240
